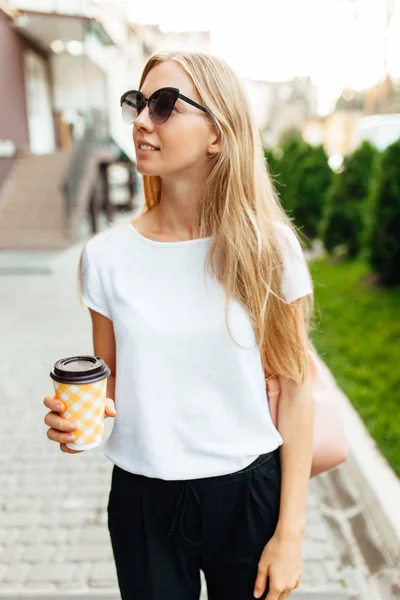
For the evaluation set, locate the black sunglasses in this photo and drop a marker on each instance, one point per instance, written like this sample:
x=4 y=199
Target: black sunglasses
x=160 y=104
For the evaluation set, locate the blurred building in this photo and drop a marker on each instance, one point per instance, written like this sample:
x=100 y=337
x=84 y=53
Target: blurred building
x=371 y=114
x=260 y=97
x=280 y=105
x=383 y=98
x=336 y=132
x=66 y=63
x=155 y=38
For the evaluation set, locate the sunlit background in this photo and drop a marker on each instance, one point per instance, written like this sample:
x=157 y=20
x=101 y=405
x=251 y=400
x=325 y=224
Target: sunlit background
x=338 y=43
x=323 y=82
x=322 y=66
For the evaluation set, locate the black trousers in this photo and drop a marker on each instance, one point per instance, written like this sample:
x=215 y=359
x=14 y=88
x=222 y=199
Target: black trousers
x=163 y=532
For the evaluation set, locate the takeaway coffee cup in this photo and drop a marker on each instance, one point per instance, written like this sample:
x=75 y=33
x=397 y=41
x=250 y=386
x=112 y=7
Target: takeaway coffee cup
x=80 y=382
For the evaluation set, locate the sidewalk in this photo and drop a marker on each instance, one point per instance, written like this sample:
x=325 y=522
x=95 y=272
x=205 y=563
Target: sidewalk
x=54 y=540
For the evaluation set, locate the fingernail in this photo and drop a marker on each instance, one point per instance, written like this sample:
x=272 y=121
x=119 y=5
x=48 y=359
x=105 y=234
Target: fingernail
x=59 y=407
x=72 y=426
x=71 y=437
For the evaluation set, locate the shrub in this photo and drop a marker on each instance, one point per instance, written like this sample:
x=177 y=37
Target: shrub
x=342 y=221
x=311 y=180
x=382 y=238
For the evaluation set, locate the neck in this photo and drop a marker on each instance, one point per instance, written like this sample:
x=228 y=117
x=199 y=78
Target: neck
x=177 y=209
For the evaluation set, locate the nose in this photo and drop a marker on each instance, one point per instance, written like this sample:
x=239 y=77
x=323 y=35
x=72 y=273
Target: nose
x=143 y=120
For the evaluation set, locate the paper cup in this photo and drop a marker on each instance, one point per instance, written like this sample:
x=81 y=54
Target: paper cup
x=80 y=382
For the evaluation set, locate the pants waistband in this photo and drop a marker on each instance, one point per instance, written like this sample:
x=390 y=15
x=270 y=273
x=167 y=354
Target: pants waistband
x=217 y=480
x=189 y=486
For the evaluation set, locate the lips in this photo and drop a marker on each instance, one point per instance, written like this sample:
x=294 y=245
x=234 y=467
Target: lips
x=144 y=143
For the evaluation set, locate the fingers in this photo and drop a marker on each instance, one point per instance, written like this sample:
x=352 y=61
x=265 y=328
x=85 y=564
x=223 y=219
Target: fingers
x=110 y=408
x=61 y=430
x=261 y=581
x=59 y=436
x=56 y=406
x=59 y=427
x=54 y=420
x=67 y=450
x=53 y=403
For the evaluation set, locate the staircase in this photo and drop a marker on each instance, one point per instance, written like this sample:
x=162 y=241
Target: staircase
x=32 y=204
x=45 y=198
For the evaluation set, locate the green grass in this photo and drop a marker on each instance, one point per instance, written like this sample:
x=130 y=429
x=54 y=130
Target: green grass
x=358 y=336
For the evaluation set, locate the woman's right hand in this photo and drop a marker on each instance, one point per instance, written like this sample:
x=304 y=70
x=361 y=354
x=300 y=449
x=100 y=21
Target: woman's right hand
x=61 y=429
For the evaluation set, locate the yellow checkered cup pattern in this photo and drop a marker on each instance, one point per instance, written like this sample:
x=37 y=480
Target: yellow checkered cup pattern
x=85 y=404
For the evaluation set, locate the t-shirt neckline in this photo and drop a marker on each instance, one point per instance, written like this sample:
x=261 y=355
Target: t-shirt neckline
x=151 y=242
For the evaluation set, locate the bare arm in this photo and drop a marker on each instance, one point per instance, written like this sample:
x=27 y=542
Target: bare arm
x=111 y=387
x=104 y=346
x=296 y=420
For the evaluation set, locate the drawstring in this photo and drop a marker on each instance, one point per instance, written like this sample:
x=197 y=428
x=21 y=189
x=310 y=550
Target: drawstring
x=180 y=513
x=186 y=486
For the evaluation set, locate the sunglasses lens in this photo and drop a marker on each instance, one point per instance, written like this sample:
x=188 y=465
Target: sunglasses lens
x=132 y=105
x=161 y=106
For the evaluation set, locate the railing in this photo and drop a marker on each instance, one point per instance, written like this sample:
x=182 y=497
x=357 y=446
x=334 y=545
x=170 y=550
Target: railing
x=95 y=134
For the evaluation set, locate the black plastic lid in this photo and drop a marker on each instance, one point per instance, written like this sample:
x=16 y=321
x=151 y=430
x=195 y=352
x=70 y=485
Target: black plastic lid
x=80 y=369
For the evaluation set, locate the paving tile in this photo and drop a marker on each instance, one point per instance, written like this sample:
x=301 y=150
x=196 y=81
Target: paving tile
x=52 y=573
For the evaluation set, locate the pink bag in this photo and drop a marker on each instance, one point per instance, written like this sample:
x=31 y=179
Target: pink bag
x=331 y=446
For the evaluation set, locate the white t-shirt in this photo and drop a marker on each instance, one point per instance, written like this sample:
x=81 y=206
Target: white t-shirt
x=190 y=402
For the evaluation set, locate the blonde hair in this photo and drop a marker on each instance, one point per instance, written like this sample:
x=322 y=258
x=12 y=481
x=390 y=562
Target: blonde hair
x=239 y=206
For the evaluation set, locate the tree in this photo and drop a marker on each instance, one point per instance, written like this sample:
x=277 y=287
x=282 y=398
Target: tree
x=311 y=180
x=293 y=148
x=342 y=221
x=382 y=237
x=301 y=175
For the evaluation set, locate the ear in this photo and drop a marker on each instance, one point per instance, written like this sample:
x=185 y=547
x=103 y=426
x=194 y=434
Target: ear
x=214 y=145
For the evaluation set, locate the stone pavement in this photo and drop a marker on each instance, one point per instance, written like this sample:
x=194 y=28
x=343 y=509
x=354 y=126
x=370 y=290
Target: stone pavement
x=54 y=540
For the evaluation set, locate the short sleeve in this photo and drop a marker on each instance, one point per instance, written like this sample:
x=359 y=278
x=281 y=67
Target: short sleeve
x=93 y=295
x=296 y=279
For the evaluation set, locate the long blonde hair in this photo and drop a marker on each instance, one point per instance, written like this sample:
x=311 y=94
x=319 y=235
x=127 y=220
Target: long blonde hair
x=239 y=206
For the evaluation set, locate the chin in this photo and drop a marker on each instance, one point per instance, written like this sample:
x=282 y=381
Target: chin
x=146 y=171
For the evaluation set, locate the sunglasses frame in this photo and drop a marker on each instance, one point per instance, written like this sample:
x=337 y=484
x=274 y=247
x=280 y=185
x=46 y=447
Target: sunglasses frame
x=178 y=95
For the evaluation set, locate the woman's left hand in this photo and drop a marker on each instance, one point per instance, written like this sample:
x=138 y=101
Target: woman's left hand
x=280 y=561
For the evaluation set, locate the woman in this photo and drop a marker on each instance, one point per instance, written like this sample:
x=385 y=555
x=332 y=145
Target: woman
x=192 y=304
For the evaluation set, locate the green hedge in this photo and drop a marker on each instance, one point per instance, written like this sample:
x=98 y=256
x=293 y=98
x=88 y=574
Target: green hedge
x=358 y=336
x=343 y=217
x=302 y=176
x=382 y=224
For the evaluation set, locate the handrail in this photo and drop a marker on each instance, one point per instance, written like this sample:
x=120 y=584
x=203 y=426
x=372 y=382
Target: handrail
x=95 y=134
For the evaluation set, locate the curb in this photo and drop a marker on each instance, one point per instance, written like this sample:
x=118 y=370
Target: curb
x=365 y=490
x=372 y=480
